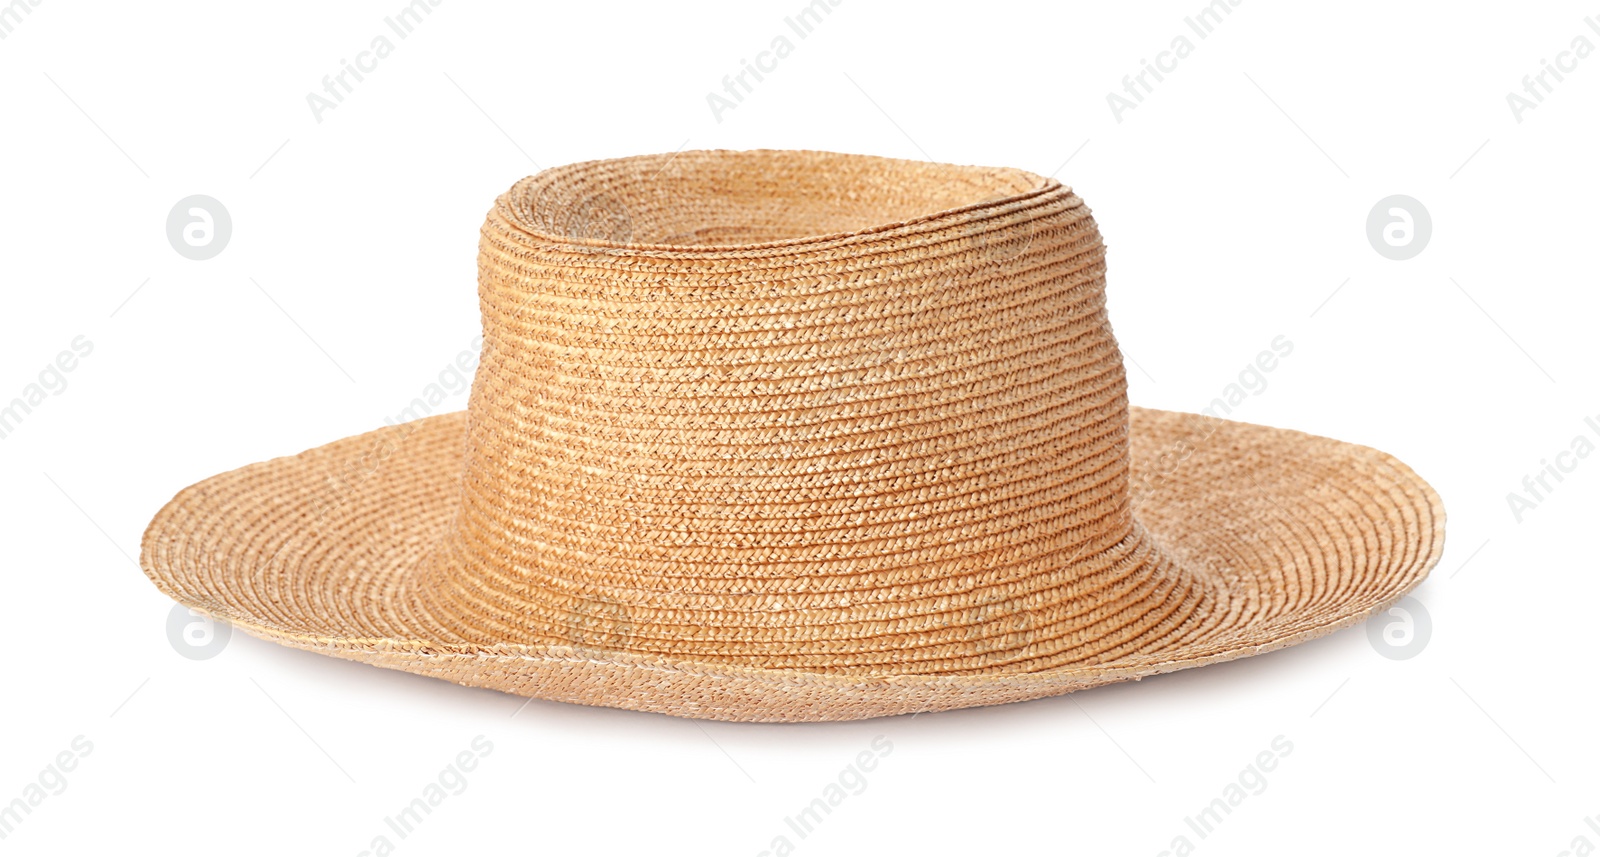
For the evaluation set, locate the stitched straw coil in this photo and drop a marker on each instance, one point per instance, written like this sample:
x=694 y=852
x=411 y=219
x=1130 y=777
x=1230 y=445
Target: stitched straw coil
x=798 y=436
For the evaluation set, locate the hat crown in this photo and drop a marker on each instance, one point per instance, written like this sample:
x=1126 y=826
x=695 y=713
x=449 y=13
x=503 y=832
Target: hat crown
x=797 y=410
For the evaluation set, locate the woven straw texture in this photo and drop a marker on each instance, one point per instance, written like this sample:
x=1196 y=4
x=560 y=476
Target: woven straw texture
x=798 y=436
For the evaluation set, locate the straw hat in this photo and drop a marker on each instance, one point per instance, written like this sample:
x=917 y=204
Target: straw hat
x=779 y=435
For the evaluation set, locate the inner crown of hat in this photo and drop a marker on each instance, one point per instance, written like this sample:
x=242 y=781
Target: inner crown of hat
x=724 y=199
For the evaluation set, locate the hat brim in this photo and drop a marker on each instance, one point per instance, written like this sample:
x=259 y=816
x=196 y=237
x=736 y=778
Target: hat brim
x=1298 y=535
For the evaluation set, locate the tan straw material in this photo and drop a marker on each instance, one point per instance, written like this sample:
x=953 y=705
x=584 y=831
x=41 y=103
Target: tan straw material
x=780 y=435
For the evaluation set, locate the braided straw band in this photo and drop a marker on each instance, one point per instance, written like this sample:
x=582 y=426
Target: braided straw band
x=795 y=436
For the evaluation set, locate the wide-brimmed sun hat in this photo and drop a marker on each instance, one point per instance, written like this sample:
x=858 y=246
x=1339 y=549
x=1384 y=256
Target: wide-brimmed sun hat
x=779 y=435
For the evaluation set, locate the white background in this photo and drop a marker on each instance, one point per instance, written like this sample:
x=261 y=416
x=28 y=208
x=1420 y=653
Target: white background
x=1233 y=201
